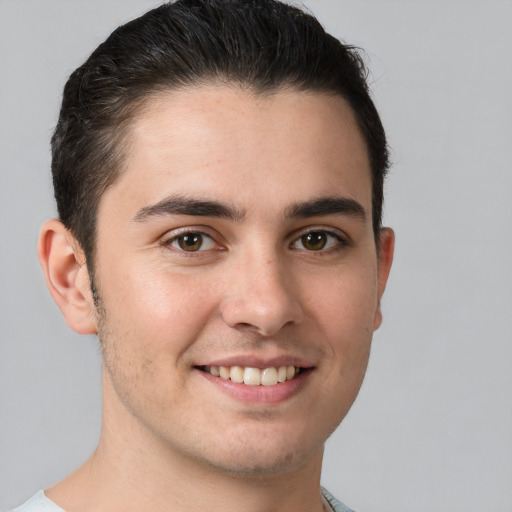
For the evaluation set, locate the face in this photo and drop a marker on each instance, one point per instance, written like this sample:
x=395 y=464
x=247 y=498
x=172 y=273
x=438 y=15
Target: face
x=238 y=244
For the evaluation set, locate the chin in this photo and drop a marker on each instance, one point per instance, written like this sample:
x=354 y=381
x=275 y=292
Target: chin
x=260 y=455
x=251 y=464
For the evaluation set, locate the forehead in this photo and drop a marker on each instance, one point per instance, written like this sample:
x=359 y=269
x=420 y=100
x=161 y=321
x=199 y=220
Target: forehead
x=238 y=146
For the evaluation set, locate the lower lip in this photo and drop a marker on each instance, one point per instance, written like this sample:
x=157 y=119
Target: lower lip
x=266 y=395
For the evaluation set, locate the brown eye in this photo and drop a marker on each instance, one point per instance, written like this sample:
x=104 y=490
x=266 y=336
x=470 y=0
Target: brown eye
x=318 y=241
x=314 y=241
x=190 y=241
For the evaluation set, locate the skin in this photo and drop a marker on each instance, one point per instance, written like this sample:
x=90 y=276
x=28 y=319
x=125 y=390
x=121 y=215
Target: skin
x=255 y=292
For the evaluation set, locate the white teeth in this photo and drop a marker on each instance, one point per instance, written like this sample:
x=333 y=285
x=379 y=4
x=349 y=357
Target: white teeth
x=224 y=372
x=269 y=377
x=236 y=374
x=254 y=376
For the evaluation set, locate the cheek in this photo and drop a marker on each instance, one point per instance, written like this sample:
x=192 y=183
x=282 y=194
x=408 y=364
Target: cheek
x=152 y=318
x=160 y=292
x=156 y=314
x=345 y=311
x=345 y=303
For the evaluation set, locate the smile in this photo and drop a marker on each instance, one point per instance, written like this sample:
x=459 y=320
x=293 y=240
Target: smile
x=270 y=376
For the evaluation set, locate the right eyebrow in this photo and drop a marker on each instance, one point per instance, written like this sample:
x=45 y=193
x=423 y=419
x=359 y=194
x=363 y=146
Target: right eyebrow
x=182 y=205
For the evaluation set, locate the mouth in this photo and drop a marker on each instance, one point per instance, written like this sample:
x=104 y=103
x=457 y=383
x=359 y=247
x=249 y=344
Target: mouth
x=269 y=376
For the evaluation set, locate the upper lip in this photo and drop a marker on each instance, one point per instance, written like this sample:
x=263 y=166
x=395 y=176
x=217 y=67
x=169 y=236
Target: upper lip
x=255 y=361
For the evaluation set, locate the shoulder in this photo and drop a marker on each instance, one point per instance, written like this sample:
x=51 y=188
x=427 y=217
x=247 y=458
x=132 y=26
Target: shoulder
x=336 y=505
x=38 y=503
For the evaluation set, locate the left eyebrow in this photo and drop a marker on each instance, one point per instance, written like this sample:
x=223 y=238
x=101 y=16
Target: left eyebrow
x=326 y=206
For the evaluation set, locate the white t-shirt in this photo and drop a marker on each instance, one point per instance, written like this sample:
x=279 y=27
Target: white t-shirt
x=40 y=503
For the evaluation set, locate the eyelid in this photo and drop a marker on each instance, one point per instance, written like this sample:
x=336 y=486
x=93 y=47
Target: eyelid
x=330 y=230
x=340 y=236
x=171 y=236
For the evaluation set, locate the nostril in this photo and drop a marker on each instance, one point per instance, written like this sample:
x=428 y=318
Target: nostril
x=244 y=326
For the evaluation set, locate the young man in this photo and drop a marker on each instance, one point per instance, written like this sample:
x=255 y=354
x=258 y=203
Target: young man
x=218 y=168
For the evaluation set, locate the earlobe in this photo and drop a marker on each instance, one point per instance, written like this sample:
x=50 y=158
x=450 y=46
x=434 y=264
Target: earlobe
x=384 y=261
x=66 y=275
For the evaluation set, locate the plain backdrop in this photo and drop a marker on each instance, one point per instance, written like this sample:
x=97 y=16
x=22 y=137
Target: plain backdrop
x=432 y=427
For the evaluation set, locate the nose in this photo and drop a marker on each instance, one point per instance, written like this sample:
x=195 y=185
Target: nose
x=260 y=297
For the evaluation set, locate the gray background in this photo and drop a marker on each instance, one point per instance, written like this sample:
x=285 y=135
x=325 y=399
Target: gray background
x=432 y=427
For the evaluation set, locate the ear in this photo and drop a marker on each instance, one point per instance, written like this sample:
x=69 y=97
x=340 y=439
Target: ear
x=66 y=275
x=384 y=261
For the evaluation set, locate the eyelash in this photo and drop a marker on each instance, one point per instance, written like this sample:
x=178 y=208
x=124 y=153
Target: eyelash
x=336 y=241
x=170 y=242
x=339 y=242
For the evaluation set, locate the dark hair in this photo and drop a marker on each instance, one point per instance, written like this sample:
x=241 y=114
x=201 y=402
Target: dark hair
x=260 y=44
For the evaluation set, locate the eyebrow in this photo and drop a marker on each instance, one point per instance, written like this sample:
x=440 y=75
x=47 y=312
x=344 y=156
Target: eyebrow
x=326 y=206
x=181 y=205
